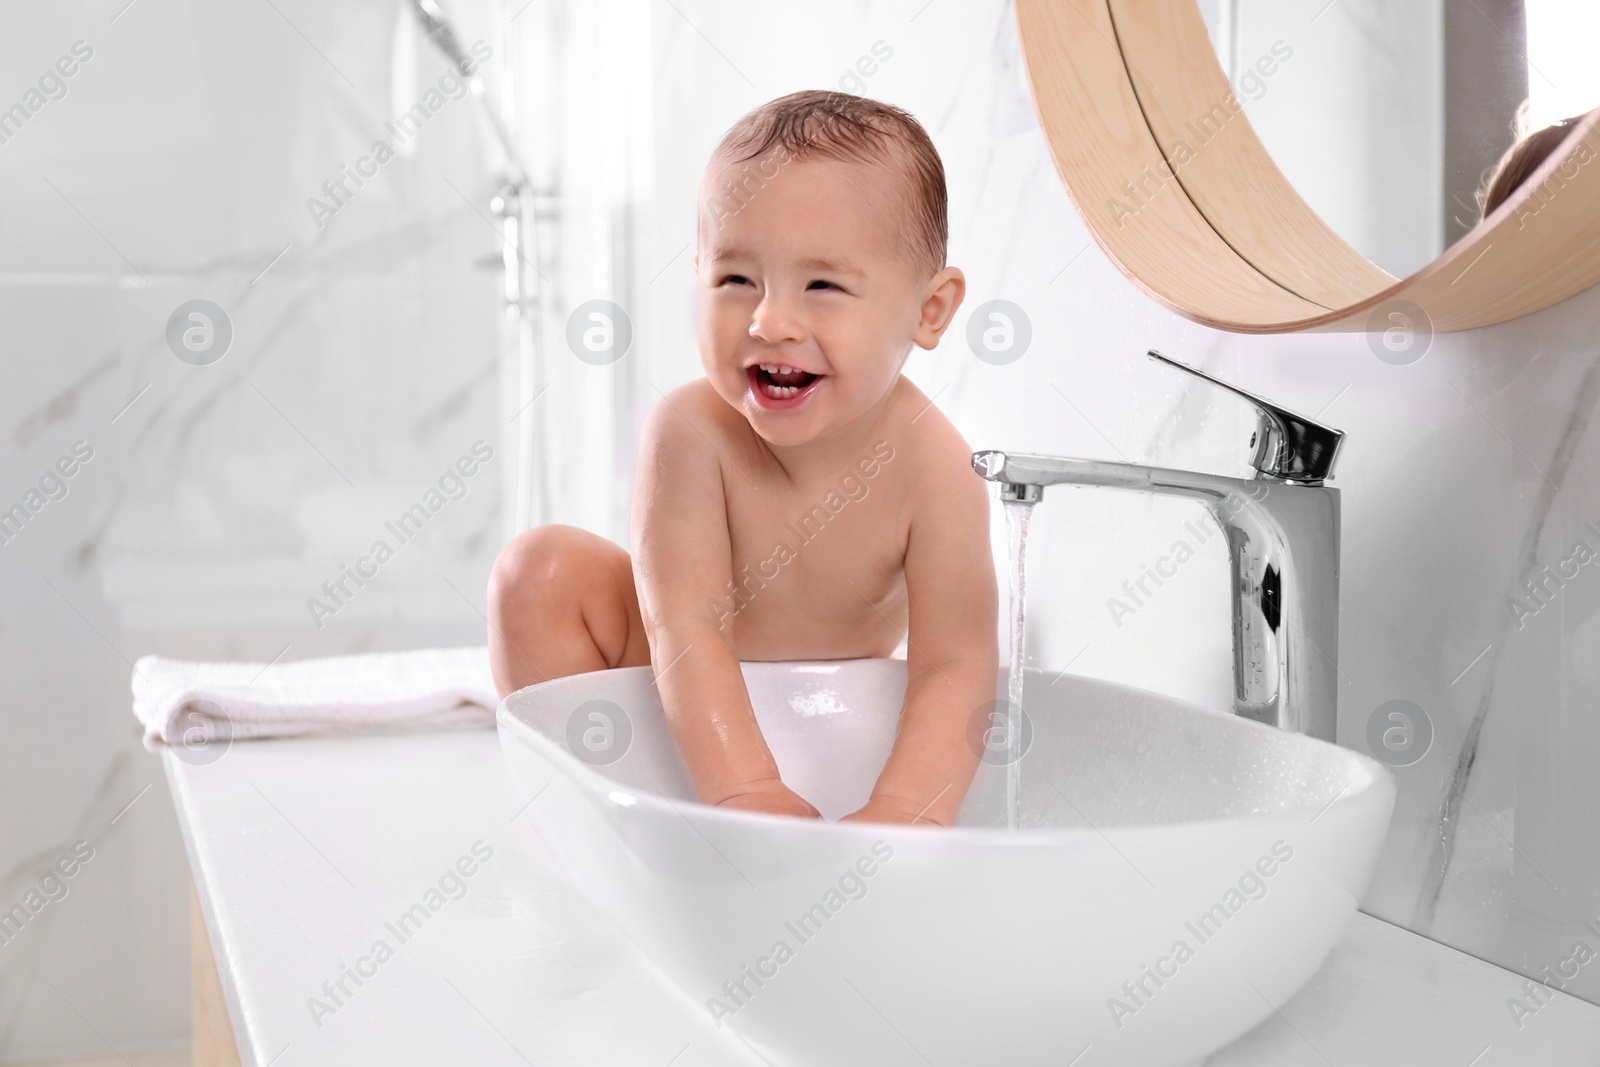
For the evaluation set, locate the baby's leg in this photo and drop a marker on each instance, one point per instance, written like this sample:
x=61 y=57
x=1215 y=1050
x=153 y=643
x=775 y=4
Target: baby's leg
x=562 y=601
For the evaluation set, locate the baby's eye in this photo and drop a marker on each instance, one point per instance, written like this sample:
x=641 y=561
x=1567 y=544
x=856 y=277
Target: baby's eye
x=736 y=279
x=820 y=284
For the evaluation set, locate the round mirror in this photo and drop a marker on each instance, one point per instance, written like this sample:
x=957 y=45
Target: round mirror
x=1387 y=117
x=1268 y=166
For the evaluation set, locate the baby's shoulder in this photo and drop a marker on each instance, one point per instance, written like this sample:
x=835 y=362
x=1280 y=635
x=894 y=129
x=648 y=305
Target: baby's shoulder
x=934 y=450
x=945 y=498
x=686 y=418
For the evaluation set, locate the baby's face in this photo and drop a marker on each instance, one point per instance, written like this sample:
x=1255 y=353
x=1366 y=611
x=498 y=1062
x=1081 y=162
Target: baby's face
x=809 y=294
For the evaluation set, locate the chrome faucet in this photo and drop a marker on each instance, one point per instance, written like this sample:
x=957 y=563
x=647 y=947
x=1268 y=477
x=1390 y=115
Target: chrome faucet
x=1282 y=528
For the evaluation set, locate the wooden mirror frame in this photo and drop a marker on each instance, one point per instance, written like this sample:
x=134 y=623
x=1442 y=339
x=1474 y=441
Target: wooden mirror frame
x=1217 y=234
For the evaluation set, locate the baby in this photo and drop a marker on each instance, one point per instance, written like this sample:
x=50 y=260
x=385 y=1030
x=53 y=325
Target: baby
x=803 y=500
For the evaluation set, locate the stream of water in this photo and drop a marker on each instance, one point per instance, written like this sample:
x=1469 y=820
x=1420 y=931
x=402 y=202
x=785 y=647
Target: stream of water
x=1017 y=517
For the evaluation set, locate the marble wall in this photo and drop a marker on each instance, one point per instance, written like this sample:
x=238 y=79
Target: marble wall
x=215 y=498
x=1464 y=473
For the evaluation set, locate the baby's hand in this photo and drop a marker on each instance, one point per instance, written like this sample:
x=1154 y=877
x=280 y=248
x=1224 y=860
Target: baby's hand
x=892 y=810
x=773 y=797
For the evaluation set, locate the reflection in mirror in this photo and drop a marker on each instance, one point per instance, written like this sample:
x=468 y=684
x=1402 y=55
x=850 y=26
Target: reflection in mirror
x=1387 y=117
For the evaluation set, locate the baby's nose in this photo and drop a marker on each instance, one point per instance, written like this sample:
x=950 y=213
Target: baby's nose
x=775 y=321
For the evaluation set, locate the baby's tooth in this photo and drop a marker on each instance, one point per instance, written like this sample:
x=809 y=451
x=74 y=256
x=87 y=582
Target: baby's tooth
x=785 y=370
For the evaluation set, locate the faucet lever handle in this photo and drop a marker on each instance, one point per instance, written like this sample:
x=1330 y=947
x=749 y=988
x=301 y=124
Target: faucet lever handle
x=1288 y=446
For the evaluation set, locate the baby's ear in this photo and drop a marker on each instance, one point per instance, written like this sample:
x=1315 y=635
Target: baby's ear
x=945 y=291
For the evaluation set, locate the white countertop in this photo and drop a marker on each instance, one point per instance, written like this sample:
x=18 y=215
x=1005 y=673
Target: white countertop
x=305 y=851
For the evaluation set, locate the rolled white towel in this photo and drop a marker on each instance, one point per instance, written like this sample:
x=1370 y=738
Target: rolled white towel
x=195 y=703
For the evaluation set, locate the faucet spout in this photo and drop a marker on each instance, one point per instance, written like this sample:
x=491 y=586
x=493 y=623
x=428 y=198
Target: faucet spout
x=1283 y=546
x=1282 y=528
x=1024 y=469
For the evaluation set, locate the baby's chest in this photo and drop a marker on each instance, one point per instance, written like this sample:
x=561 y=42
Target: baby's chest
x=834 y=547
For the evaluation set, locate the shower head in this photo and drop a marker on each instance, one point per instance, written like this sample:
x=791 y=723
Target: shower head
x=442 y=32
x=437 y=24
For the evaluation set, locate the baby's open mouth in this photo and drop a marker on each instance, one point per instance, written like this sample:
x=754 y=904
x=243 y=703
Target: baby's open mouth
x=774 y=381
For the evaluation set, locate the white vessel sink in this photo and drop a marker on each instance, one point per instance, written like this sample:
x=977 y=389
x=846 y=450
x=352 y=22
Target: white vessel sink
x=1179 y=873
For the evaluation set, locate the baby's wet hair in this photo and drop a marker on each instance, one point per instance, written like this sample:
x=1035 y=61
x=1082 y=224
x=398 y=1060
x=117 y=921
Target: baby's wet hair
x=818 y=123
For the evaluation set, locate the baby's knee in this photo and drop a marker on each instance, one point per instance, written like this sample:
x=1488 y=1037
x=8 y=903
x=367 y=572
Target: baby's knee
x=541 y=563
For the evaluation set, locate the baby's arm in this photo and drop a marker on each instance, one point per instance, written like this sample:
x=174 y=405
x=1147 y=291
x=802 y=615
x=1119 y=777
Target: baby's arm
x=952 y=651
x=682 y=562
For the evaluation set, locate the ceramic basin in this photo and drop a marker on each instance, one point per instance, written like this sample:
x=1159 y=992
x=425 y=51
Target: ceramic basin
x=1178 y=873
